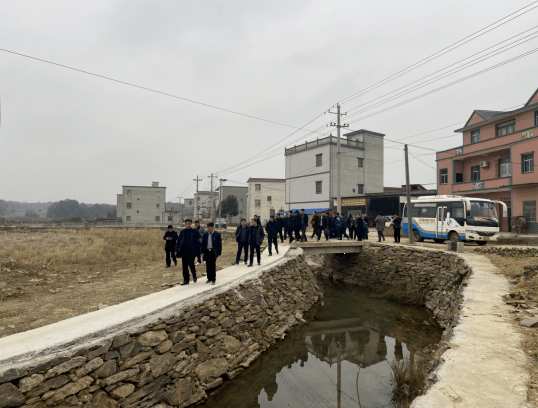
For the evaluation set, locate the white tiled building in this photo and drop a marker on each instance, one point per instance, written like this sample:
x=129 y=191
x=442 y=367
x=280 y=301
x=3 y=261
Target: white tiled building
x=311 y=169
x=265 y=197
x=142 y=204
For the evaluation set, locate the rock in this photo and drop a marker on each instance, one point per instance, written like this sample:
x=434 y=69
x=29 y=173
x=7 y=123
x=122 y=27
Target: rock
x=89 y=367
x=177 y=336
x=182 y=392
x=250 y=359
x=121 y=340
x=152 y=338
x=69 y=389
x=136 y=359
x=211 y=369
x=122 y=391
x=529 y=321
x=161 y=364
x=164 y=347
x=101 y=400
x=126 y=350
x=13 y=374
x=251 y=319
x=107 y=369
x=112 y=354
x=145 y=390
x=101 y=306
x=28 y=383
x=202 y=350
x=10 y=396
x=100 y=351
x=64 y=367
x=213 y=332
x=122 y=375
x=214 y=384
x=231 y=346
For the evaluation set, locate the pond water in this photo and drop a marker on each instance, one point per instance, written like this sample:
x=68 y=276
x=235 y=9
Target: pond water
x=316 y=365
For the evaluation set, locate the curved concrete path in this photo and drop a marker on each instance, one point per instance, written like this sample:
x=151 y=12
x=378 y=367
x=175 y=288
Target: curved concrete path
x=486 y=365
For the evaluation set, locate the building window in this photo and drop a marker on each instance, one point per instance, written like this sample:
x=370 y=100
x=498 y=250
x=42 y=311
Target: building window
x=360 y=188
x=128 y=218
x=158 y=193
x=475 y=136
x=536 y=118
x=128 y=191
x=318 y=160
x=269 y=198
x=318 y=187
x=506 y=128
x=505 y=167
x=257 y=187
x=529 y=211
x=128 y=205
x=443 y=176
x=157 y=205
x=157 y=218
x=527 y=163
x=361 y=162
x=258 y=203
x=170 y=218
x=475 y=173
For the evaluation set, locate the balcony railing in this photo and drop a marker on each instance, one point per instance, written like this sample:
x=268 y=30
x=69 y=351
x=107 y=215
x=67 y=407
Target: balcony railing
x=326 y=140
x=482 y=184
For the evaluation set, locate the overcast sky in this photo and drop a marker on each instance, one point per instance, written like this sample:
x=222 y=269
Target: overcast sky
x=65 y=134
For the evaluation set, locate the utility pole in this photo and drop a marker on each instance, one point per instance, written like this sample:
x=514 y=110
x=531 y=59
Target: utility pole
x=220 y=201
x=179 y=210
x=408 y=193
x=211 y=197
x=338 y=153
x=196 y=203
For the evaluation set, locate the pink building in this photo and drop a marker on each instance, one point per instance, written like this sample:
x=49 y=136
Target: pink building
x=496 y=161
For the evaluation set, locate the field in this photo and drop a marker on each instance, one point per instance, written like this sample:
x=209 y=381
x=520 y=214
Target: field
x=51 y=275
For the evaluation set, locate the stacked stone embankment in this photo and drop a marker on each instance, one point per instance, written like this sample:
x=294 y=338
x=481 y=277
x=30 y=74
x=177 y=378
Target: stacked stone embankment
x=415 y=275
x=173 y=360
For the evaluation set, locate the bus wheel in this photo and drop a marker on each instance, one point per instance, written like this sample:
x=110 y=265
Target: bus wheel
x=417 y=237
x=454 y=237
x=439 y=240
x=481 y=243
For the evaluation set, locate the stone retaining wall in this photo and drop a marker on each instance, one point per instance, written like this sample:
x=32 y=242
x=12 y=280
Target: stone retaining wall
x=172 y=361
x=414 y=275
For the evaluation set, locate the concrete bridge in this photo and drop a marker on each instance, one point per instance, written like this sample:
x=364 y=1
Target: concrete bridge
x=312 y=247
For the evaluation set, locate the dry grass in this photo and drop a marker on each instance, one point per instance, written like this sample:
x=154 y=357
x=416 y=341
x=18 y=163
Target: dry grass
x=408 y=378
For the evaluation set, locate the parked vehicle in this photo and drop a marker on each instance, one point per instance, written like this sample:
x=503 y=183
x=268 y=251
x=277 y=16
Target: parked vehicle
x=455 y=218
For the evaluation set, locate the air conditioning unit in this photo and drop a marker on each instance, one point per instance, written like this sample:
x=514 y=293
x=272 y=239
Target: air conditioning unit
x=484 y=164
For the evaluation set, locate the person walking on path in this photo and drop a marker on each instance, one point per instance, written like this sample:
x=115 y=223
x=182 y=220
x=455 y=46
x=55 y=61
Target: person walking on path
x=332 y=225
x=397 y=224
x=242 y=233
x=352 y=222
x=188 y=248
x=286 y=224
x=343 y=227
x=201 y=231
x=315 y=225
x=297 y=226
x=359 y=228
x=280 y=224
x=272 y=234
x=337 y=226
x=366 y=224
x=291 y=226
x=380 y=226
x=170 y=239
x=325 y=226
x=211 y=250
x=304 y=225
x=255 y=239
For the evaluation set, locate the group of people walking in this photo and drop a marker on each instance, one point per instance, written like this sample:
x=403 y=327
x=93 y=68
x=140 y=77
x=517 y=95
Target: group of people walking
x=195 y=243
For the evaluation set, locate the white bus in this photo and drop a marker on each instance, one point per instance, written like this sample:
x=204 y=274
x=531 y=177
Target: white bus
x=455 y=218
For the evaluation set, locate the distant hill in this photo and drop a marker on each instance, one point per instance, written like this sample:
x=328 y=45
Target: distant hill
x=59 y=209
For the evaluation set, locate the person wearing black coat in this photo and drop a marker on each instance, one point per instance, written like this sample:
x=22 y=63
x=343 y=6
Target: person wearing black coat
x=298 y=226
x=324 y=223
x=188 y=248
x=351 y=225
x=343 y=227
x=304 y=224
x=170 y=238
x=366 y=224
x=211 y=250
x=397 y=224
x=242 y=234
x=359 y=228
x=280 y=224
x=272 y=234
x=291 y=225
x=255 y=239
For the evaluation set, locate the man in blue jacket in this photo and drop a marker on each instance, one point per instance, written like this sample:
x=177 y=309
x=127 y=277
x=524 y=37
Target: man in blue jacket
x=188 y=248
x=256 y=236
x=211 y=250
x=170 y=239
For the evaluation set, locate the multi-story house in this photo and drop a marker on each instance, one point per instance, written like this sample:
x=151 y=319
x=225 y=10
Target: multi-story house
x=496 y=161
x=265 y=197
x=311 y=169
x=205 y=204
x=142 y=204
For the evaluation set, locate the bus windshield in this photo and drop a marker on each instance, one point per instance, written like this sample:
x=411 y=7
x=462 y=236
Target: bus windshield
x=483 y=213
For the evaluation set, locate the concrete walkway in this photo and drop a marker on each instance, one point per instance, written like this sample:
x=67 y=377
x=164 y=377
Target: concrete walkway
x=60 y=338
x=485 y=366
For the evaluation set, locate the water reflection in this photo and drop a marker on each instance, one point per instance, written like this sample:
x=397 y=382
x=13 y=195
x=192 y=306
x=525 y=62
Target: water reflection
x=316 y=366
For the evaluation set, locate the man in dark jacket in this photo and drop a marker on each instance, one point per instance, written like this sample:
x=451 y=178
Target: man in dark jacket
x=324 y=225
x=201 y=231
x=211 y=250
x=351 y=221
x=359 y=231
x=332 y=225
x=188 y=248
x=279 y=225
x=343 y=227
x=170 y=239
x=298 y=226
x=255 y=239
x=241 y=237
x=365 y=224
x=397 y=224
x=272 y=234
x=291 y=225
x=315 y=226
x=304 y=225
